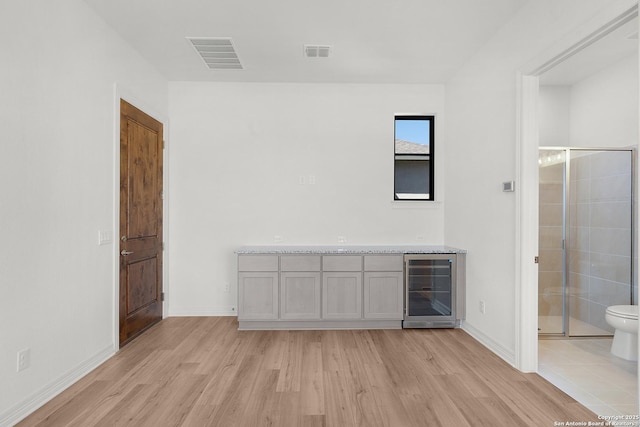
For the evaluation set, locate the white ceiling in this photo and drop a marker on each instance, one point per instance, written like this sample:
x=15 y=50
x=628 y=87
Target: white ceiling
x=372 y=41
x=615 y=46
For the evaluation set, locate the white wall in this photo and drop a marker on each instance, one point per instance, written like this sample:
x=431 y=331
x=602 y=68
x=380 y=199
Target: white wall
x=603 y=110
x=60 y=63
x=554 y=113
x=237 y=154
x=481 y=153
x=598 y=111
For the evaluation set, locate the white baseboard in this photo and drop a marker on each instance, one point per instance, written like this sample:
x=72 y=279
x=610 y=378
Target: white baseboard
x=35 y=401
x=201 y=311
x=503 y=352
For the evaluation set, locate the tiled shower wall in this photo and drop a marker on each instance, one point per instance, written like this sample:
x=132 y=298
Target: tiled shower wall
x=599 y=234
x=599 y=237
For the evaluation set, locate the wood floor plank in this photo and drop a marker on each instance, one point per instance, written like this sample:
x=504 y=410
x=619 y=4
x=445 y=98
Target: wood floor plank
x=233 y=402
x=204 y=372
x=120 y=409
x=312 y=384
x=65 y=411
x=339 y=400
x=390 y=404
x=291 y=369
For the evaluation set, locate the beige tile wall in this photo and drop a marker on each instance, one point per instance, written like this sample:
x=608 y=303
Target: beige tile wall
x=550 y=242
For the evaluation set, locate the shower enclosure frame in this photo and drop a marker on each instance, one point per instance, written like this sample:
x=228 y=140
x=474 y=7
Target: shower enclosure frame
x=566 y=239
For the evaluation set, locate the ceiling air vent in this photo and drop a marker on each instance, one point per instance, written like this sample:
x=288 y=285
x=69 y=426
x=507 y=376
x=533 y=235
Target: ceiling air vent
x=316 y=51
x=217 y=53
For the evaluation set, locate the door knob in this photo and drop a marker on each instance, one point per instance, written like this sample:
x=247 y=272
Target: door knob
x=125 y=253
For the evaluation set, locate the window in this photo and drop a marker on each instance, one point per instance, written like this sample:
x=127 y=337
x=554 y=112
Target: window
x=413 y=165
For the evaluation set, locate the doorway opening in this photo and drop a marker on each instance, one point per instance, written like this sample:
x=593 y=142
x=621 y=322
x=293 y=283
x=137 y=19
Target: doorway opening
x=566 y=56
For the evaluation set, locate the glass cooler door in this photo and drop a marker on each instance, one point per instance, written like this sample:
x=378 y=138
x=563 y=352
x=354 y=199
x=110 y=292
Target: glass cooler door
x=429 y=291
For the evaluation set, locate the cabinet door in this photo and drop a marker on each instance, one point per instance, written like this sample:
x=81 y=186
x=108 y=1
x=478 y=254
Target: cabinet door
x=258 y=296
x=342 y=295
x=299 y=295
x=383 y=295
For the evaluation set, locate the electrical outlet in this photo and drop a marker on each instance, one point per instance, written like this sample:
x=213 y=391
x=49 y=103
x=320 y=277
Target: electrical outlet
x=482 y=306
x=24 y=359
x=277 y=239
x=227 y=288
x=342 y=239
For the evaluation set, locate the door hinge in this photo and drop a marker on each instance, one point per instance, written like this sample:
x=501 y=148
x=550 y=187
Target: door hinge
x=163 y=246
x=536 y=260
x=161 y=296
x=163 y=144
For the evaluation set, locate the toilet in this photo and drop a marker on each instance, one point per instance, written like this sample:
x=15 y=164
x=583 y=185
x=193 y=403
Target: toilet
x=624 y=318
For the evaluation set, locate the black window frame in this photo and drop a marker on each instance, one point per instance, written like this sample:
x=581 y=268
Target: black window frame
x=429 y=157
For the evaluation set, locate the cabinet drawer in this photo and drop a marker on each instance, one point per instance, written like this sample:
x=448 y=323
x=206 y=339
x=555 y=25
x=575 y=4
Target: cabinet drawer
x=300 y=262
x=342 y=263
x=258 y=263
x=383 y=263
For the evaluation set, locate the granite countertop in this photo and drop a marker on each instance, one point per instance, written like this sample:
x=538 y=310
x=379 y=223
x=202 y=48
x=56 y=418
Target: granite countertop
x=350 y=249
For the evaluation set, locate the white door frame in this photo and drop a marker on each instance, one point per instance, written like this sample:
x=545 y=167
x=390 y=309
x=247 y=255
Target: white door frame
x=526 y=342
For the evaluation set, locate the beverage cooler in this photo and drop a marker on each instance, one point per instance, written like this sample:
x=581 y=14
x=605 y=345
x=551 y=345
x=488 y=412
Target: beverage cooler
x=434 y=290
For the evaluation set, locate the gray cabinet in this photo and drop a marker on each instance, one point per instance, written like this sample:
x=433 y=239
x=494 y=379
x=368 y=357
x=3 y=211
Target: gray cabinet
x=341 y=295
x=299 y=295
x=355 y=290
x=341 y=287
x=257 y=295
x=383 y=287
x=383 y=295
x=300 y=287
x=258 y=287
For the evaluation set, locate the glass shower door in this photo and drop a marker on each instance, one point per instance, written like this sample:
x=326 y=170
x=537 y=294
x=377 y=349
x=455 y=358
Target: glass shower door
x=586 y=260
x=551 y=279
x=599 y=241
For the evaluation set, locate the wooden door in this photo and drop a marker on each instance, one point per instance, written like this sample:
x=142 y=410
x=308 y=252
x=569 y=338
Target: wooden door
x=140 y=221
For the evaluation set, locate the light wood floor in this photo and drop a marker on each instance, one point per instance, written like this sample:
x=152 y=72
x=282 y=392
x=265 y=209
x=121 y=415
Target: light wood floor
x=203 y=371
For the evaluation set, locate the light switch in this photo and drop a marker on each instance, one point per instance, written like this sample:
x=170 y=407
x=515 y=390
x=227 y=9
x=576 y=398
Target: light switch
x=105 y=237
x=509 y=186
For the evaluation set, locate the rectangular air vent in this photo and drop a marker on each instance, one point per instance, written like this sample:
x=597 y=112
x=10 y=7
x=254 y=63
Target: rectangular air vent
x=316 y=51
x=217 y=53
